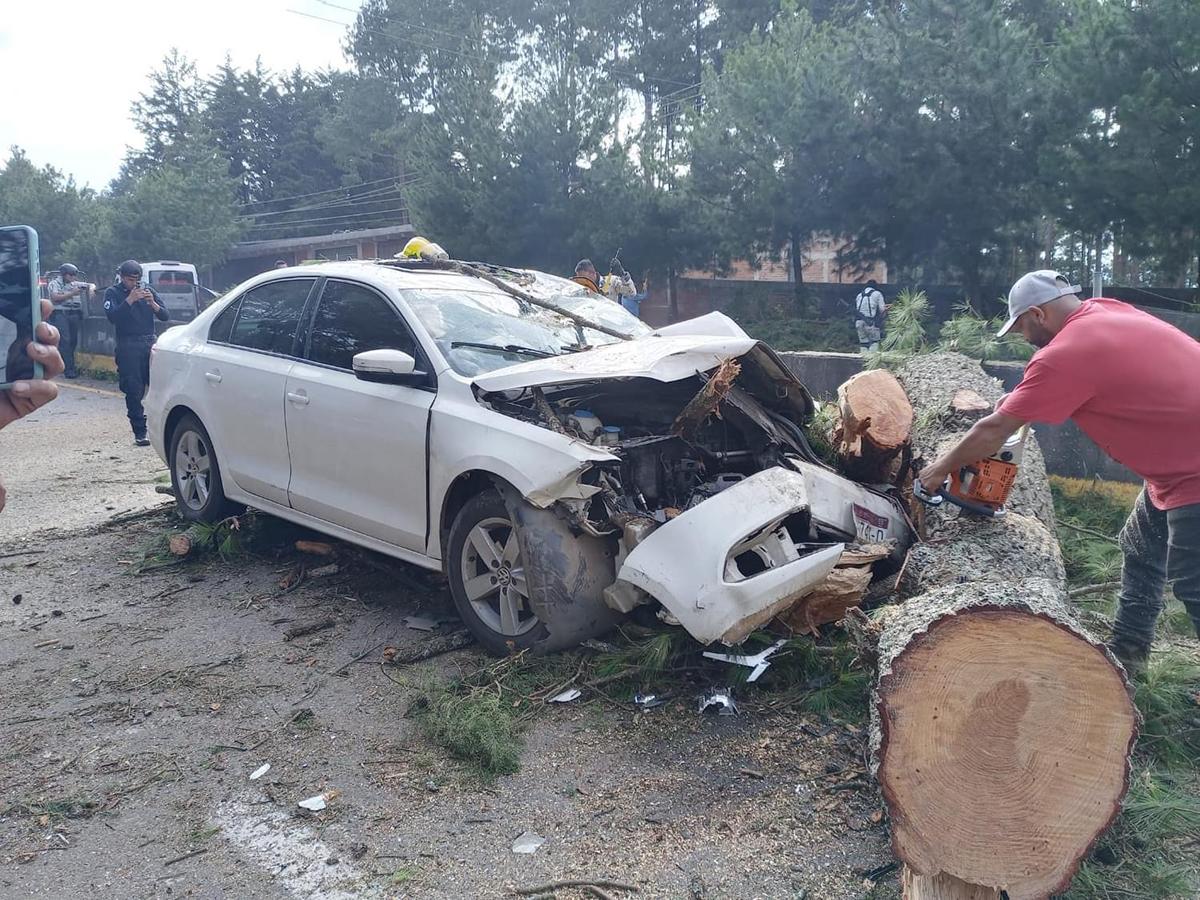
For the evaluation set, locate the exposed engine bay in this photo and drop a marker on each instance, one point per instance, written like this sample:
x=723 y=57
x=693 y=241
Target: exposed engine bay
x=678 y=444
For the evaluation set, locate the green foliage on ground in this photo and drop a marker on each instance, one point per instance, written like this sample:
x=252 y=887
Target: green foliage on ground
x=475 y=727
x=1149 y=853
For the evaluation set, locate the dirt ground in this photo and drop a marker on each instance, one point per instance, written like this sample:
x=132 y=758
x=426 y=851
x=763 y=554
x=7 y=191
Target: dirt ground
x=73 y=462
x=134 y=709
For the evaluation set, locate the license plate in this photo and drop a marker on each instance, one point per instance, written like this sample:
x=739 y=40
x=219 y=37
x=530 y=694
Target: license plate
x=872 y=527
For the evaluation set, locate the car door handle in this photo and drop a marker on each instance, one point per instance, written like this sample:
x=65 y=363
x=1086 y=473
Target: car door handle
x=214 y=377
x=298 y=399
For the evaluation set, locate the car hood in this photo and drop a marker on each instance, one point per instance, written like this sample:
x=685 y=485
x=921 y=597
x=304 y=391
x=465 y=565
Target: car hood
x=666 y=355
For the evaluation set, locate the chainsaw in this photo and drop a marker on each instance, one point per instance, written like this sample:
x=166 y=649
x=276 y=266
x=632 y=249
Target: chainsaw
x=981 y=488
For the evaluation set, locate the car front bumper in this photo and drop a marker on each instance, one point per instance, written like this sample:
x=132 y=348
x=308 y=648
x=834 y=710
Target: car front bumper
x=691 y=564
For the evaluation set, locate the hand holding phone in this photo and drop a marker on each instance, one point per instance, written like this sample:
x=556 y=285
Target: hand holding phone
x=23 y=397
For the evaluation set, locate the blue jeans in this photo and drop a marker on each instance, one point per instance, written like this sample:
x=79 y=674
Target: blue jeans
x=1160 y=548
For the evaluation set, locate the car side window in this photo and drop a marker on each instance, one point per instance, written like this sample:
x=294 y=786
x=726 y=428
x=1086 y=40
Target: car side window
x=222 y=325
x=351 y=319
x=269 y=315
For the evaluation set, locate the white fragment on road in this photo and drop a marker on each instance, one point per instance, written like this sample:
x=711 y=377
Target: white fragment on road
x=420 y=623
x=566 y=696
x=316 y=804
x=528 y=842
x=291 y=851
x=260 y=771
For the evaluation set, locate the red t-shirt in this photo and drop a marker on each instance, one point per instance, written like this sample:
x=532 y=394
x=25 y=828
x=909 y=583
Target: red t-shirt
x=1132 y=383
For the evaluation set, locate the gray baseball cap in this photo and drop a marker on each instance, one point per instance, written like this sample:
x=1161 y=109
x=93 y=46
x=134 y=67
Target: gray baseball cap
x=1032 y=290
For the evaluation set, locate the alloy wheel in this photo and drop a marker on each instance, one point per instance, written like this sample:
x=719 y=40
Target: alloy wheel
x=493 y=577
x=193 y=470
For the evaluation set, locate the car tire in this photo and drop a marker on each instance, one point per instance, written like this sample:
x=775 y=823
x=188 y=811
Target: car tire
x=196 y=474
x=520 y=579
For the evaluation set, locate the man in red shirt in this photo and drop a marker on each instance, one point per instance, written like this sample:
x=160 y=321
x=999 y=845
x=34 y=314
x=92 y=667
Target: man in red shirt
x=1131 y=382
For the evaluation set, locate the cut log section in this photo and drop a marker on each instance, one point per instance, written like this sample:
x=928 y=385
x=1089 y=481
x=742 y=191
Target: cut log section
x=1002 y=736
x=874 y=424
x=1001 y=730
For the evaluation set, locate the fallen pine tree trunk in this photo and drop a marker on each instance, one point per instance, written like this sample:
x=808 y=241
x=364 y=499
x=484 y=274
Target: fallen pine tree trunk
x=1001 y=730
x=874 y=422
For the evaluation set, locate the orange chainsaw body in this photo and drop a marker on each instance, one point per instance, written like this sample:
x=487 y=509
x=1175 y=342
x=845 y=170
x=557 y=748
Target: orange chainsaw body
x=987 y=482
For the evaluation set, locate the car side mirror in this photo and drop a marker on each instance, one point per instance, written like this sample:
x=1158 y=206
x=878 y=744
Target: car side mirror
x=388 y=367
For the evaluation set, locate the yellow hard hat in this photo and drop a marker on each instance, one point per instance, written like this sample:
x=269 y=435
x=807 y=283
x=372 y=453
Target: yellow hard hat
x=422 y=248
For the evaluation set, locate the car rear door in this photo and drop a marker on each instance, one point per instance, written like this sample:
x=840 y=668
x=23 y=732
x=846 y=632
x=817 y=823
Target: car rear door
x=358 y=448
x=252 y=346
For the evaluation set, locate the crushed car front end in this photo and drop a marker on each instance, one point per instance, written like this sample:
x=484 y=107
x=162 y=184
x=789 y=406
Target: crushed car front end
x=714 y=503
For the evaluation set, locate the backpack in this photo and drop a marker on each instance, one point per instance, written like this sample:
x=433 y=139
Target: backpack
x=863 y=304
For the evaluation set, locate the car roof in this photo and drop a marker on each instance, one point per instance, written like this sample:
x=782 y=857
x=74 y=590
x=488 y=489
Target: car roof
x=401 y=277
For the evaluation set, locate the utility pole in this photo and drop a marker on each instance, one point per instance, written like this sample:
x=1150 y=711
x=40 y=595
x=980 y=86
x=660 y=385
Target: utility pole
x=1097 y=273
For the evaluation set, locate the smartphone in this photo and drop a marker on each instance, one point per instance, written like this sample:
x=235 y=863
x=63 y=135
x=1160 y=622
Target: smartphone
x=20 y=305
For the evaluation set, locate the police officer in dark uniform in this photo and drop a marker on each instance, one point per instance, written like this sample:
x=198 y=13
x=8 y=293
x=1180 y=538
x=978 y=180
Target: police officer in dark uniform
x=132 y=308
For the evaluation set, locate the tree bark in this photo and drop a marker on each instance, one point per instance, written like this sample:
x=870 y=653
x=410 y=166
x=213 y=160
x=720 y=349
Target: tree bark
x=874 y=424
x=1001 y=730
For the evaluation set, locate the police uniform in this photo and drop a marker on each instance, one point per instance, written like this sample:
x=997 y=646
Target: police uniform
x=134 y=324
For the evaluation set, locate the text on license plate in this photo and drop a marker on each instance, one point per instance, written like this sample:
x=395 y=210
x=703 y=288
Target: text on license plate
x=872 y=527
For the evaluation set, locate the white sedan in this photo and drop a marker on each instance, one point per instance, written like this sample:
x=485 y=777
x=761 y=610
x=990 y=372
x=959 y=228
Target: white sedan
x=559 y=461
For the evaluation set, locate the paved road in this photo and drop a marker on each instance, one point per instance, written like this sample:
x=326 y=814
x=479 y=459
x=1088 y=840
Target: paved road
x=73 y=463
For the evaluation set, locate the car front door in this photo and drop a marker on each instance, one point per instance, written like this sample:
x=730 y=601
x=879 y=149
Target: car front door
x=251 y=347
x=358 y=448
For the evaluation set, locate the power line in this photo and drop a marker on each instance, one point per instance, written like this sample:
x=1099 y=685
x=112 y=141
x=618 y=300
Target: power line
x=361 y=215
x=326 y=191
x=381 y=195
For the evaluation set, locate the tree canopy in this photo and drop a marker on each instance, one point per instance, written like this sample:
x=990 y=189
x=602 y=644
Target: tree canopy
x=960 y=140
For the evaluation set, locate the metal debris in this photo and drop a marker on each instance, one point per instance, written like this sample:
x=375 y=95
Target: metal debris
x=420 y=623
x=260 y=771
x=758 y=662
x=722 y=699
x=566 y=696
x=528 y=842
x=648 y=701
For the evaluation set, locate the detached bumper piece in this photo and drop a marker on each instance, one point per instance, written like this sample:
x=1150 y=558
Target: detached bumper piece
x=729 y=565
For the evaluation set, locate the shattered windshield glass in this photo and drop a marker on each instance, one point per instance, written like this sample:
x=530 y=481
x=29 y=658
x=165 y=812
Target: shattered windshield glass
x=511 y=330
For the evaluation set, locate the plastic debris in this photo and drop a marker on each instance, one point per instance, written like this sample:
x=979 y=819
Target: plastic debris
x=528 y=842
x=320 y=801
x=315 y=804
x=648 y=701
x=722 y=699
x=758 y=662
x=420 y=623
x=260 y=771
x=566 y=696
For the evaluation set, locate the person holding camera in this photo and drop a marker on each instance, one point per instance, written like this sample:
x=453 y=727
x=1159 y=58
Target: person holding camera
x=67 y=296
x=132 y=307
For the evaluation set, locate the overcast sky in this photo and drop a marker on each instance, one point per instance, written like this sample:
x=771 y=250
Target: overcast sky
x=70 y=69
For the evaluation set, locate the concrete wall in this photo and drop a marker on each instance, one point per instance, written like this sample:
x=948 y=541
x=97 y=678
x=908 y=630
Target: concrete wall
x=1068 y=450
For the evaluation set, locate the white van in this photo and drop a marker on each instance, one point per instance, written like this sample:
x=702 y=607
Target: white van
x=176 y=283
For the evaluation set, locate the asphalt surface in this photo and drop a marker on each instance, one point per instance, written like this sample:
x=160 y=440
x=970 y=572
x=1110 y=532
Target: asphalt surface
x=73 y=464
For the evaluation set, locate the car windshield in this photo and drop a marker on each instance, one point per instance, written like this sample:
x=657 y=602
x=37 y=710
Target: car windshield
x=512 y=331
